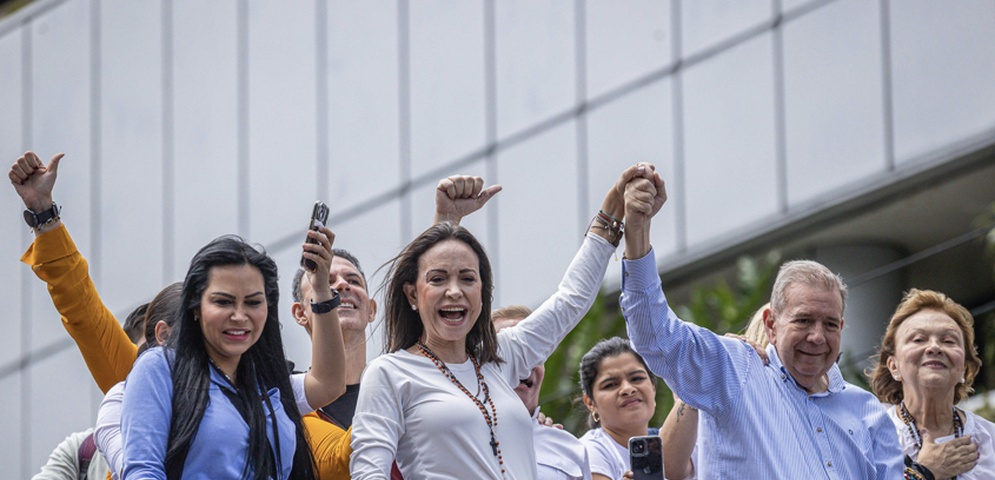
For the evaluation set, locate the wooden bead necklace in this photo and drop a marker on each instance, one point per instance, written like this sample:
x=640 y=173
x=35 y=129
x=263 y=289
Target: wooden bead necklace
x=490 y=417
x=910 y=422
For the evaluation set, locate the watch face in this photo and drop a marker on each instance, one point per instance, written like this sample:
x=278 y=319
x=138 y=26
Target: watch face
x=30 y=219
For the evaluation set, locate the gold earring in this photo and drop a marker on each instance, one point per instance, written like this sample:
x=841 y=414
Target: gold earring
x=596 y=417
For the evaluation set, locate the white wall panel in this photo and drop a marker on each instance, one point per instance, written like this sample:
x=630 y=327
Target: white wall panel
x=447 y=81
x=14 y=425
x=205 y=148
x=61 y=110
x=131 y=186
x=704 y=24
x=363 y=125
x=282 y=117
x=625 y=40
x=636 y=128
x=833 y=98
x=943 y=65
x=64 y=402
x=15 y=237
x=729 y=141
x=788 y=5
x=536 y=61
x=536 y=217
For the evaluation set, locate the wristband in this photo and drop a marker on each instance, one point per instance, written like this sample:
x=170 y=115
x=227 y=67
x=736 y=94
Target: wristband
x=327 y=305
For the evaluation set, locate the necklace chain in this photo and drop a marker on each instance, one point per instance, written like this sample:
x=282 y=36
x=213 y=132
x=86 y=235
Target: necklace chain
x=910 y=421
x=215 y=365
x=490 y=417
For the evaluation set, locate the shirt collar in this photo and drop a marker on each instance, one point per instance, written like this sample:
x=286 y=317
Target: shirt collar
x=836 y=382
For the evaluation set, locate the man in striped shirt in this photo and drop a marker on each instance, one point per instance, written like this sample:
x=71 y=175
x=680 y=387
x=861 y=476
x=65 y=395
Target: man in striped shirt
x=793 y=418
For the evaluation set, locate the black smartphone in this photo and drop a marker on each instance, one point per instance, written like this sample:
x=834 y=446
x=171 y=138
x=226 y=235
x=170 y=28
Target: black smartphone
x=318 y=218
x=646 y=457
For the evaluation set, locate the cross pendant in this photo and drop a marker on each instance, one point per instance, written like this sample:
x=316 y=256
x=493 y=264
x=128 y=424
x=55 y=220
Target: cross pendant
x=494 y=445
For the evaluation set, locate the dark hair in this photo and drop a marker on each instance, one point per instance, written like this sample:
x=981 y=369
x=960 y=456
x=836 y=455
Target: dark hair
x=295 y=287
x=888 y=389
x=134 y=325
x=404 y=326
x=262 y=367
x=163 y=308
x=590 y=365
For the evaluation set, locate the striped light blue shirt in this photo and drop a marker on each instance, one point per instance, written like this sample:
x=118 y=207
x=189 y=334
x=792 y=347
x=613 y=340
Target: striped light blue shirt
x=758 y=423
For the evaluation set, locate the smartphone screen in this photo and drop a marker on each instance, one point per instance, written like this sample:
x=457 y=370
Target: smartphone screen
x=318 y=218
x=646 y=457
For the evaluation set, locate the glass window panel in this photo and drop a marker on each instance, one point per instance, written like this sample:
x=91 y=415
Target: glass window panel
x=729 y=141
x=704 y=24
x=363 y=124
x=205 y=113
x=527 y=230
x=282 y=118
x=833 y=98
x=131 y=187
x=625 y=40
x=788 y=5
x=634 y=128
x=943 y=57
x=536 y=61
x=447 y=81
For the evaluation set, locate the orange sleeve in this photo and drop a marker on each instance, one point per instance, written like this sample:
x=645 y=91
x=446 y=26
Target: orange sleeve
x=330 y=446
x=106 y=348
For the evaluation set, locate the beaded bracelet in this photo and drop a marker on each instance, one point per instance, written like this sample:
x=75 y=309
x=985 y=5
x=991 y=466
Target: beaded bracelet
x=611 y=225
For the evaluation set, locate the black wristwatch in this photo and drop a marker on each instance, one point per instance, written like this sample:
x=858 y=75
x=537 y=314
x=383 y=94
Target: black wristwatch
x=42 y=218
x=327 y=305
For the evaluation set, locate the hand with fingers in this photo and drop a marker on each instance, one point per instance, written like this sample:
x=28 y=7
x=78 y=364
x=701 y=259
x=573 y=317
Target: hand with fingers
x=457 y=196
x=321 y=254
x=644 y=196
x=948 y=459
x=33 y=181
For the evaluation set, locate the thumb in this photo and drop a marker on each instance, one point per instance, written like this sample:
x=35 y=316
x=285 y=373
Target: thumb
x=487 y=193
x=53 y=165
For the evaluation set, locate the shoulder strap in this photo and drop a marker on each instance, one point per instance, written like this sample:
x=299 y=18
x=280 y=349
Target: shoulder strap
x=85 y=455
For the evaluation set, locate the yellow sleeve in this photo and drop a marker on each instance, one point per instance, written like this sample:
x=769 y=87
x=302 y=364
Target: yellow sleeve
x=330 y=446
x=106 y=348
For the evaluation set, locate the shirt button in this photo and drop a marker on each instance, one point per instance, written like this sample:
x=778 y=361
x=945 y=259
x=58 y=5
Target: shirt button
x=819 y=429
x=829 y=464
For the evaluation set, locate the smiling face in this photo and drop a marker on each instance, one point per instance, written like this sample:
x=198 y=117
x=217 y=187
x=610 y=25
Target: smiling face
x=807 y=334
x=232 y=313
x=622 y=394
x=447 y=295
x=357 y=309
x=929 y=355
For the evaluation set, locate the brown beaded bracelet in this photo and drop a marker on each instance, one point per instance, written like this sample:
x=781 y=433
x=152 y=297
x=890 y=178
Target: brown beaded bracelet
x=612 y=226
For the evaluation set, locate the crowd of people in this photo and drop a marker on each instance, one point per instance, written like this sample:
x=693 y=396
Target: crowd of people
x=198 y=385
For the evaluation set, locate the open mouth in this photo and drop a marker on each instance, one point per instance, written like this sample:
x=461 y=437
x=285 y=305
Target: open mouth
x=347 y=304
x=452 y=314
x=237 y=334
x=934 y=364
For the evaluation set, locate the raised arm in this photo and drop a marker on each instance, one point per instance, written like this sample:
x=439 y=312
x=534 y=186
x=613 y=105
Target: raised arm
x=679 y=434
x=325 y=382
x=460 y=195
x=106 y=348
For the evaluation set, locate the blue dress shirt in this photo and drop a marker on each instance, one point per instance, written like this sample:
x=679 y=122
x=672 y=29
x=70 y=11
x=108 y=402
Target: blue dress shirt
x=220 y=447
x=758 y=423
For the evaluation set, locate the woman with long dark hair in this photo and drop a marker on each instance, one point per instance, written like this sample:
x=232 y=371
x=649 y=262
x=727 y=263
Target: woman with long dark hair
x=217 y=402
x=441 y=402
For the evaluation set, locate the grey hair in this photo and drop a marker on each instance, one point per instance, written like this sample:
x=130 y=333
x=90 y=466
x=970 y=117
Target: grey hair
x=805 y=272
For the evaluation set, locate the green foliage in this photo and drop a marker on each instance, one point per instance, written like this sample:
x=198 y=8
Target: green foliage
x=720 y=307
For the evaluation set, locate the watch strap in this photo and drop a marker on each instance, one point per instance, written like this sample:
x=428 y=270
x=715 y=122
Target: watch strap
x=327 y=305
x=43 y=218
